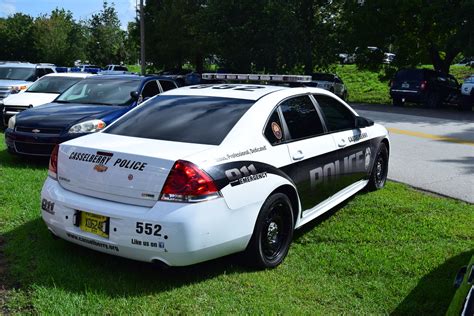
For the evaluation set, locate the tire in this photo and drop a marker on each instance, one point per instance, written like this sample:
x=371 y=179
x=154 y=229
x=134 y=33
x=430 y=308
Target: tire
x=344 y=96
x=398 y=102
x=378 y=176
x=466 y=103
x=272 y=234
x=433 y=100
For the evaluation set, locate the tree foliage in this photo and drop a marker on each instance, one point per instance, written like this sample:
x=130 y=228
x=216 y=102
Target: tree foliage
x=418 y=30
x=58 y=38
x=106 y=39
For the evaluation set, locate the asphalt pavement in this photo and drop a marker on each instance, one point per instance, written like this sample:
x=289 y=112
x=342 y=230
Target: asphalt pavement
x=432 y=150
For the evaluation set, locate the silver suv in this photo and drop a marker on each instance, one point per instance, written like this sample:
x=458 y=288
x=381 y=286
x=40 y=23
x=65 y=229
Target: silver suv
x=18 y=76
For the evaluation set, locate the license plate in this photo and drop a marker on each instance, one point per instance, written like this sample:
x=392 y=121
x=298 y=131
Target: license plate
x=95 y=224
x=405 y=85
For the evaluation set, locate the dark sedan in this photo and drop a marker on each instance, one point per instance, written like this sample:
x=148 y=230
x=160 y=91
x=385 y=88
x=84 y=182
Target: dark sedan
x=87 y=107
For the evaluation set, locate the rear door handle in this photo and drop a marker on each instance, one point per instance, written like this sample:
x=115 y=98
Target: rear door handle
x=342 y=143
x=298 y=155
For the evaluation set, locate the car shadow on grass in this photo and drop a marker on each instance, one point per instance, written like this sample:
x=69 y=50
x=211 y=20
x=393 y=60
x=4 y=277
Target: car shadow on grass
x=55 y=263
x=436 y=286
x=14 y=161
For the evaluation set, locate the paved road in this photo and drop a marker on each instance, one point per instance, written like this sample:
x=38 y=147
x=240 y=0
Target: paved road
x=431 y=149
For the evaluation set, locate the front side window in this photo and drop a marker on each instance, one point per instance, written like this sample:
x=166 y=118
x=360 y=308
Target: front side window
x=337 y=116
x=100 y=91
x=301 y=118
x=189 y=119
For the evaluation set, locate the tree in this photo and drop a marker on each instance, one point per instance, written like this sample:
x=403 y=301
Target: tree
x=16 y=37
x=58 y=38
x=423 y=30
x=175 y=33
x=106 y=39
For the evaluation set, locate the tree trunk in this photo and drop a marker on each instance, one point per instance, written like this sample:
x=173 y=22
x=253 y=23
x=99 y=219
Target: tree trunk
x=199 y=63
x=440 y=64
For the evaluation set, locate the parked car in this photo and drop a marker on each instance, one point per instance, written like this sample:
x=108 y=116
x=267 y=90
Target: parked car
x=88 y=106
x=463 y=301
x=330 y=82
x=16 y=77
x=43 y=90
x=204 y=171
x=424 y=86
x=467 y=91
x=93 y=69
x=114 y=70
x=179 y=75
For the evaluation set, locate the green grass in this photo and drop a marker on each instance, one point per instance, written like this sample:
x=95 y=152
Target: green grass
x=396 y=251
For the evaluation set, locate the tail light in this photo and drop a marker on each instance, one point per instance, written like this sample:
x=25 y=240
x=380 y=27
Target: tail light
x=53 y=163
x=423 y=85
x=187 y=183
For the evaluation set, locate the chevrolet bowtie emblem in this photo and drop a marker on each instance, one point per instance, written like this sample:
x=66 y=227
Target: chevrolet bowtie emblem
x=36 y=130
x=100 y=168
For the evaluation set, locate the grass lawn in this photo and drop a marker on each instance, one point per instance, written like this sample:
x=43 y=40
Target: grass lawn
x=392 y=251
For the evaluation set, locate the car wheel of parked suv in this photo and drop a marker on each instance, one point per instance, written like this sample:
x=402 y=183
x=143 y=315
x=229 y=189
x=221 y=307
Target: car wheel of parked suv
x=398 y=102
x=433 y=100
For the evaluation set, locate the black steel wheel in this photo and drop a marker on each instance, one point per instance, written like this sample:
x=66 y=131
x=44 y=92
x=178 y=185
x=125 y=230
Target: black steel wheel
x=398 y=102
x=433 y=100
x=378 y=176
x=272 y=234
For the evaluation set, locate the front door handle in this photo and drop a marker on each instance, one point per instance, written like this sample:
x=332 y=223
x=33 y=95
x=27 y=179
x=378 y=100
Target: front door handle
x=298 y=155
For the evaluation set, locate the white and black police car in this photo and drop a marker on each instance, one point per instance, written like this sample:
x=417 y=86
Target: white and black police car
x=204 y=171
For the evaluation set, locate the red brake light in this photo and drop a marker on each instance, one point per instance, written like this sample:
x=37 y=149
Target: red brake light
x=187 y=183
x=423 y=85
x=53 y=163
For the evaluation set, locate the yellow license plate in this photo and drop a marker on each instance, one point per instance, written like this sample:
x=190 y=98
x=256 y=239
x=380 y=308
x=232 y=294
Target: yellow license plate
x=95 y=224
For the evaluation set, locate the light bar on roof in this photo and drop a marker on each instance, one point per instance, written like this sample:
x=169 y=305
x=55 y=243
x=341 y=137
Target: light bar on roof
x=257 y=77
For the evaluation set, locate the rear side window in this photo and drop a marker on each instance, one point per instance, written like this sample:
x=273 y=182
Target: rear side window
x=273 y=130
x=337 y=116
x=301 y=117
x=150 y=90
x=189 y=119
x=167 y=85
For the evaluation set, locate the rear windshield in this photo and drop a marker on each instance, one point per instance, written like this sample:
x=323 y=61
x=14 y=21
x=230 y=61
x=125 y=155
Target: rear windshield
x=409 y=74
x=53 y=84
x=189 y=119
x=322 y=77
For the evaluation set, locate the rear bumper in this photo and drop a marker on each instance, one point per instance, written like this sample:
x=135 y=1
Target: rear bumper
x=408 y=95
x=190 y=233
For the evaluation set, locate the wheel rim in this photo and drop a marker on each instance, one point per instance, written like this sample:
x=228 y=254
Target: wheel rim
x=275 y=232
x=380 y=171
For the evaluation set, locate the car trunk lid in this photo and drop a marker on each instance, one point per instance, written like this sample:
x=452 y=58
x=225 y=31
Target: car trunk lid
x=120 y=168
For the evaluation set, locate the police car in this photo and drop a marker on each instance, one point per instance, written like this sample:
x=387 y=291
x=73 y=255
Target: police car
x=204 y=171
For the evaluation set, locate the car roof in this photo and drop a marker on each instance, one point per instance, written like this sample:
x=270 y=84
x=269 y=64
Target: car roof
x=245 y=91
x=70 y=74
x=128 y=76
x=23 y=65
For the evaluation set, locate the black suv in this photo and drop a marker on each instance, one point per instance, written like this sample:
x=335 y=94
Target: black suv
x=425 y=86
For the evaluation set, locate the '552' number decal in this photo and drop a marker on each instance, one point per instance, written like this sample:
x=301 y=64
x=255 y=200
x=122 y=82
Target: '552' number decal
x=148 y=229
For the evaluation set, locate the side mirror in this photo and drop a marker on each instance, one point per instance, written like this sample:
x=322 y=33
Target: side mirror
x=135 y=95
x=361 y=122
